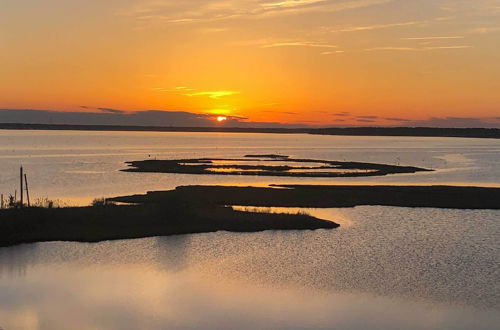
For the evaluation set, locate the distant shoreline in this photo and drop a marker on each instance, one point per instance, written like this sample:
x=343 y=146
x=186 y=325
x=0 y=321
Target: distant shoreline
x=483 y=133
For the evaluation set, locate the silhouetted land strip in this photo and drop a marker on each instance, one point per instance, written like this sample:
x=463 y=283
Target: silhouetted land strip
x=200 y=209
x=490 y=133
x=174 y=216
x=230 y=166
x=270 y=156
x=453 y=197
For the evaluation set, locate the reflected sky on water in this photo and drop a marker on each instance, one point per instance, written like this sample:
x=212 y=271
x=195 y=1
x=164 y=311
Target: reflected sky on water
x=386 y=268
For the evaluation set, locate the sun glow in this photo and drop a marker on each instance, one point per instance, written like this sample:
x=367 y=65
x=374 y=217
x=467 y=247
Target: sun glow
x=221 y=119
x=307 y=63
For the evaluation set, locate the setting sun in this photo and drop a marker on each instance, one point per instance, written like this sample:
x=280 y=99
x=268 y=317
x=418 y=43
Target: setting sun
x=221 y=119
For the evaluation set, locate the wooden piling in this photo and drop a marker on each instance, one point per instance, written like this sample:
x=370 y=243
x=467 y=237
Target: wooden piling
x=22 y=188
x=27 y=190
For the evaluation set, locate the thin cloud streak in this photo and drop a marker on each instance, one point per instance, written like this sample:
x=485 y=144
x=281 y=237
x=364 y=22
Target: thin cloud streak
x=170 y=11
x=191 y=92
x=485 y=30
x=393 y=25
x=299 y=44
x=392 y=48
x=213 y=94
x=292 y=3
x=449 y=47
x=376 y=26
x=415 y=49
x=335 y=52
x=433 y=38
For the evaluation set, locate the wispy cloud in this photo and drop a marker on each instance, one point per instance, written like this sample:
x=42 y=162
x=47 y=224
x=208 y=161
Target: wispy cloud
x=335 y=52
x=110 y=110
x=433 y=38
x=192 y=11
x=305 y=6
x=176 y=89
x=342 y=114
x=423 y=44
x=299 y=44
x=448 y=47
x=106 y=110
x=187 y=91
x=392 y=48
x=476 y=8
x=417 y=49
x=213 y=94
x=275 y=43
x=183 y=89
x=485 y=30
x=371 y=27
x=397 y=119
x=292 y=3
x=375 y=26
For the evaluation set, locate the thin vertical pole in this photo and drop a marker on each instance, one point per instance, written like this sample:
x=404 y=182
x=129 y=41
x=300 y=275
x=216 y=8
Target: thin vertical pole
x=22 y=188
x=27 y=189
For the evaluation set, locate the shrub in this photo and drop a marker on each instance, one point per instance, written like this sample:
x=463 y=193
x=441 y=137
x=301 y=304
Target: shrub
x=101 y=202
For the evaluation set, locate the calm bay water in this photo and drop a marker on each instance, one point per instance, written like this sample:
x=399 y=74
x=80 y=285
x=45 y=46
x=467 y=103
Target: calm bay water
x=384 y=268
x=79 y=166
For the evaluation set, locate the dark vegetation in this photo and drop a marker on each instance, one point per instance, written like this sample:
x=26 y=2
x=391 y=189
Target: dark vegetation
x=323 y=168
x=105 y=221
x=199 y=209
x=491 y=133
x=271 y=156
x=452 y=197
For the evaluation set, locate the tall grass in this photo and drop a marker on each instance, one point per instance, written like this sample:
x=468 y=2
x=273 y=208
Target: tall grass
x=10 y=202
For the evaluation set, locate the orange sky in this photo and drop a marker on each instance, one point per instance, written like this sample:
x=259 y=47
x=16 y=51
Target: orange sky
x=319 y=62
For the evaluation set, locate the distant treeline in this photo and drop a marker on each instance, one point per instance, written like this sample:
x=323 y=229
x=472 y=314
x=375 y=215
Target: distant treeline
x=490 y=133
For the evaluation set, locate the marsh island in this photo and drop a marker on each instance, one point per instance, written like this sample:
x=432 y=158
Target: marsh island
x=269 y=165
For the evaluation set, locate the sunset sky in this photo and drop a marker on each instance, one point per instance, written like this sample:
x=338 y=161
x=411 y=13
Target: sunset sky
x=315 y=62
